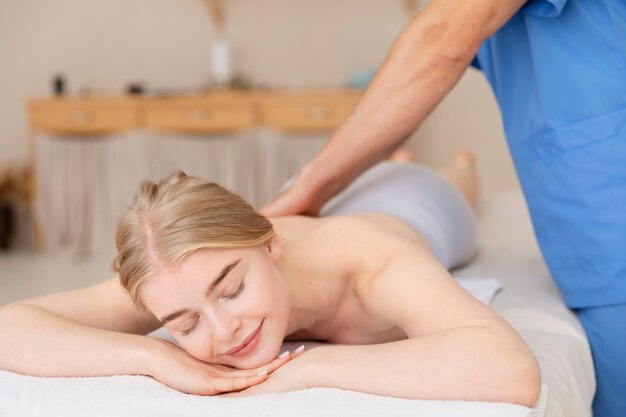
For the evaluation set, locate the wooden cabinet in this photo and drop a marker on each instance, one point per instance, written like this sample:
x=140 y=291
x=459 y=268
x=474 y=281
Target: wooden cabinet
x=89 y=155
x=213 y=112
x=84 y=116
x=305 y=112
x=221 y=113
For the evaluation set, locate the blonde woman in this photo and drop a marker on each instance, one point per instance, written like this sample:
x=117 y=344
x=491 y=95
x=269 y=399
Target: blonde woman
x=369 y=277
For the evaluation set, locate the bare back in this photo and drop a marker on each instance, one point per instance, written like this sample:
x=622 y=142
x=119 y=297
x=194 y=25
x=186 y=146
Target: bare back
x=346 y=252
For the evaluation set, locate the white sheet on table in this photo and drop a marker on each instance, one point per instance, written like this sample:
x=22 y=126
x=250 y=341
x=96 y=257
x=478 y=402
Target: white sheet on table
x=120 y=396
x=484 y=289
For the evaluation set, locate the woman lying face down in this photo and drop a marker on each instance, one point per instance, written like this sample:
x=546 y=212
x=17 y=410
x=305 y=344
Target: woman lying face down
x=231 y=286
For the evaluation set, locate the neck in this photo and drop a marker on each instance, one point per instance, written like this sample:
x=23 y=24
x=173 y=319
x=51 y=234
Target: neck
x=299 y=269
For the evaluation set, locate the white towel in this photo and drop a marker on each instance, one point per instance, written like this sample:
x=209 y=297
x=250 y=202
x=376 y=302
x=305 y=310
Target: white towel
x=483 y=289
x=121 y=396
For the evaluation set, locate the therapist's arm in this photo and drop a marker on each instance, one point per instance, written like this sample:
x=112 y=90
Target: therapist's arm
x=424 y=63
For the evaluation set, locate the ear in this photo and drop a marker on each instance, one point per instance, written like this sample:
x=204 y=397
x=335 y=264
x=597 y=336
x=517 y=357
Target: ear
x=274 y=248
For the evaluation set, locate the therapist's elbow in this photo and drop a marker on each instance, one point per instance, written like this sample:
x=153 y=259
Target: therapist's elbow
x=446 y=32
x=451 y=44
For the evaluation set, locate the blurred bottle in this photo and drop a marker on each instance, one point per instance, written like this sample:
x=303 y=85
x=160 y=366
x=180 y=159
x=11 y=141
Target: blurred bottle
x=221 y=62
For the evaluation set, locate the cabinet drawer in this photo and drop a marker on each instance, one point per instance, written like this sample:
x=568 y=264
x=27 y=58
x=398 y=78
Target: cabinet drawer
x=306 y=112
x=200 y=115
x=84 y=116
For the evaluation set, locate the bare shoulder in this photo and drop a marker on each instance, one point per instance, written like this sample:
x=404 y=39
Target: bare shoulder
x=411 y=289
x=363 y=244
x=371 y=226
x=396 y=278
x=358 y=244
x=350 y=251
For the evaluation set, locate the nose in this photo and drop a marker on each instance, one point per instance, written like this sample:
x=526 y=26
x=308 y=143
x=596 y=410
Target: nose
x=224 y=325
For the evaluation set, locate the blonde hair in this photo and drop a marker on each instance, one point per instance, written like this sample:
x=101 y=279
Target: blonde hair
x=177 y=216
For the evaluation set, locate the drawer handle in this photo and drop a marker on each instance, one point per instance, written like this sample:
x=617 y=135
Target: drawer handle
x=196 y=115
x=319 y=113
x=80 y=117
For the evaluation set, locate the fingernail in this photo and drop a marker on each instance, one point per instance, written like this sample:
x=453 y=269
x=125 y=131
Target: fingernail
x=300 y=349
x=263 y=372
x=284 y=354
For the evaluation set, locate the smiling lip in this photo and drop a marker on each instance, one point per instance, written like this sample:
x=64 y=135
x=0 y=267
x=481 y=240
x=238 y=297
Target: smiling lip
x=248 y=344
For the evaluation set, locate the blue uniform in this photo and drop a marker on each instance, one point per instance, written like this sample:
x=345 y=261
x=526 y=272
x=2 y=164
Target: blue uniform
x=558 y=71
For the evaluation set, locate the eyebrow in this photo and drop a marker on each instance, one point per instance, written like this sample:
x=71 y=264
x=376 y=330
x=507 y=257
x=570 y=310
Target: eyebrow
x=222 y=275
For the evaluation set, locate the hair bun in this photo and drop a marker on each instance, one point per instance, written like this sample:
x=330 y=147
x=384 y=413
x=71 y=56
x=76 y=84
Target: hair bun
x=174 y=178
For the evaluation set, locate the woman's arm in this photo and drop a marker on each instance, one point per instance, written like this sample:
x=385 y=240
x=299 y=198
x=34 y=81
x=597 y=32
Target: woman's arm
x=466 y=363
x=457 y=348
x=90 y=331
x=98 y=331
x=37 y=342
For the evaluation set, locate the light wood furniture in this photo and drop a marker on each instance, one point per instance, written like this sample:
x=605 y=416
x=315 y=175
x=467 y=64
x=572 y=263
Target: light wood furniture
x=305 y=112
x=214 y=112
x=89 y=154
x=211 y=113
x=84 y=116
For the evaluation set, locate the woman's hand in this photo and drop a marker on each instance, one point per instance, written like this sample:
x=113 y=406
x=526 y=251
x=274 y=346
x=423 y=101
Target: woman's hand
x=291 y=376
x=176 y=368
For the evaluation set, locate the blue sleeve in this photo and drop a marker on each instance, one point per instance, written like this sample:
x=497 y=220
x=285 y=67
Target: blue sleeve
x=544 y=8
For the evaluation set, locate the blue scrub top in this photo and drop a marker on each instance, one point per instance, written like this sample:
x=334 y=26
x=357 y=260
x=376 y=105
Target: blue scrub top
x=558 y=71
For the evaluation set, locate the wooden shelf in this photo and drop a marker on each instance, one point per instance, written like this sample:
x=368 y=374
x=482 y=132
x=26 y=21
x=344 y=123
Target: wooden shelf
x=314 y=111
x=200 y=114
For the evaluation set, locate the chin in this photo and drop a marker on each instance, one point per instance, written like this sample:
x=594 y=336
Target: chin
x=255 y=361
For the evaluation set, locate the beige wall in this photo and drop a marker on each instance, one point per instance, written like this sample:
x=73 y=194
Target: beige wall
x=103 y=45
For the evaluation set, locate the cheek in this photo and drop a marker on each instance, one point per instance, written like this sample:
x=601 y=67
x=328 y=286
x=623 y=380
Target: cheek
x=197 y=344
x=272 y=295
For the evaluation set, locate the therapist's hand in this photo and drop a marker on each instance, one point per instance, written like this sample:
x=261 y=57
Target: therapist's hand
x=306 y=196
x=297 y=199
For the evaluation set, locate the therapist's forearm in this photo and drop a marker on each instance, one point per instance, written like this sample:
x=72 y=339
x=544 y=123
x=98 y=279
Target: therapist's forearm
x=34 y=341
x=425 y=62
x=470 y=363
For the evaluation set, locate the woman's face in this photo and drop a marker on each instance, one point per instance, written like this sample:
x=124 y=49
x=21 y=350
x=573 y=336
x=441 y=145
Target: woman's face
x=224 y=306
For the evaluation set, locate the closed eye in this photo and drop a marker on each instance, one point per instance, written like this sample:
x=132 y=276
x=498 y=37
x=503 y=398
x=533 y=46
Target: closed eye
x=228 y=297
x=191 y=329
x=236 y=293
